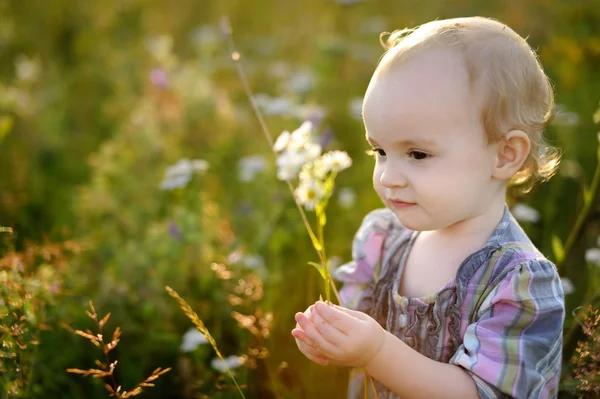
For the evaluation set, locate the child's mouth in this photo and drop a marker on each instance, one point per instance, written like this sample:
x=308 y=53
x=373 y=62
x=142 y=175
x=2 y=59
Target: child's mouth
x=401 y=204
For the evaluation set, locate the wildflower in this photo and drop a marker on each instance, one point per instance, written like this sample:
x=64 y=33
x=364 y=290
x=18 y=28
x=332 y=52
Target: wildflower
x=250 y=166
x=525 y=213
x=295 y=150
x=567 y=285
x=174 y=230
x=191 y=339
x=592 y=255
x=158 y=77
x=309 y=193
x=253 y=261
x=336 y=161
x=230 y=362
x=346 y=197
x=301 y=82
x=179 y=174
x=27 y=70
x=274 y=105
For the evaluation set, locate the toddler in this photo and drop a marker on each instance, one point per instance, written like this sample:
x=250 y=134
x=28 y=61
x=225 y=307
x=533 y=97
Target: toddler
x=446 y=296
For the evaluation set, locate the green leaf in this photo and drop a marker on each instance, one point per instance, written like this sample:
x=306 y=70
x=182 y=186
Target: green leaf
x=596 y=116
x=587 y=195
x=315 y=241
x=319 y=267
x=6 y=124
x=322 y=218
x=558 y=249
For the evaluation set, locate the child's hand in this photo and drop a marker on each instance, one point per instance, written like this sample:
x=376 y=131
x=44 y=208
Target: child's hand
x=346 y=337
x=306 y=346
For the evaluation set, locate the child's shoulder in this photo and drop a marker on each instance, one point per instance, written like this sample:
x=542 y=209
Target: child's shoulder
x=510 y=252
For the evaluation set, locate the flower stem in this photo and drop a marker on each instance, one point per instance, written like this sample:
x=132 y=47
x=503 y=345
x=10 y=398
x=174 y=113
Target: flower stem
x=235 y=56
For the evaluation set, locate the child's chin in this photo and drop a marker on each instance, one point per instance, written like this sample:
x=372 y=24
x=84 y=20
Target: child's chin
x=412 y=223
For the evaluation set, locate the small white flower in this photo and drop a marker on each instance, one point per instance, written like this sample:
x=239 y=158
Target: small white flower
x=525 y=213
x=286 y=172
x=253 y=261
x=179 y=174
x=27 y=70
x=301 y=136
x=191 y=339
x=309 y=193
x=230 y=362
x=309 y=111
x=336 y=161
x=356 y=105
x=346 y=198
x=592 y=255
x=282 y=141
x=301 y=82
x=567 y=285
x=250 y=166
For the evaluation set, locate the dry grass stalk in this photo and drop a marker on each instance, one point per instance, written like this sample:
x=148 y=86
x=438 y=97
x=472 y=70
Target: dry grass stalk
x=189 y=312
x=587 y=357
x=106 y=369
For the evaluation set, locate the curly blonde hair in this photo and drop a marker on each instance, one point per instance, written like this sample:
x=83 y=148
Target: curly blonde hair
x=519 y=95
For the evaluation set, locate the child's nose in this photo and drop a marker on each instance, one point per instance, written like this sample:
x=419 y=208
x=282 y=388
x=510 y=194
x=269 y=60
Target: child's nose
x=392 y=177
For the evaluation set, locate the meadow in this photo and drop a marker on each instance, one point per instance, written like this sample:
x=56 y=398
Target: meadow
x=131 y=160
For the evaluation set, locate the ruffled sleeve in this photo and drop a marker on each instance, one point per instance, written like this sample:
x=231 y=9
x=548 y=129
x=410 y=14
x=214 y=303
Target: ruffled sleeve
x=359 y=275
x=513 y=347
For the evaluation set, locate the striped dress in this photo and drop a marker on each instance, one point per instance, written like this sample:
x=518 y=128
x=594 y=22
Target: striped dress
x=500 y=318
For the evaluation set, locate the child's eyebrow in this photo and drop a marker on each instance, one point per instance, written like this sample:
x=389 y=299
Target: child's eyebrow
x=405 y=143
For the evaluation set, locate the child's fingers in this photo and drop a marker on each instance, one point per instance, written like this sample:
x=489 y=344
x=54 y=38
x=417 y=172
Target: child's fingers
x=327 y=330
x=307 y=348
x=324 y=346
x=341 y=320
x=354 y=313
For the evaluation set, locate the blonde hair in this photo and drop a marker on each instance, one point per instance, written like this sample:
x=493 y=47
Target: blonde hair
x=519 y=95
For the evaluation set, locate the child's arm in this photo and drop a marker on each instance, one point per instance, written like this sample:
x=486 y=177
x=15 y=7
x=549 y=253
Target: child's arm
x=354 y=339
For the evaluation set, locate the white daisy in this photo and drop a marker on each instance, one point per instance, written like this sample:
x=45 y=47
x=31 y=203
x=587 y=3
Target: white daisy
x=250 y=166
x=336 y=161
x=282 y=141
x=309 y=193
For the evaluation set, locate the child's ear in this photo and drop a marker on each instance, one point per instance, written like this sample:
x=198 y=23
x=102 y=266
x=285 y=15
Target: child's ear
x=513 y=150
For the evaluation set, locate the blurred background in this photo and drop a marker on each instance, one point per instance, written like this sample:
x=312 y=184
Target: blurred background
x=130 y=160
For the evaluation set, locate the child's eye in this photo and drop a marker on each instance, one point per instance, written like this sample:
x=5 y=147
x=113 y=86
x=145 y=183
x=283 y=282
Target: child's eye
x=376 y=152
x=418 y=155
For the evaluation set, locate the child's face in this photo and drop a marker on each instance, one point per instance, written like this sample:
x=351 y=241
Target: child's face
x=434 y=166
